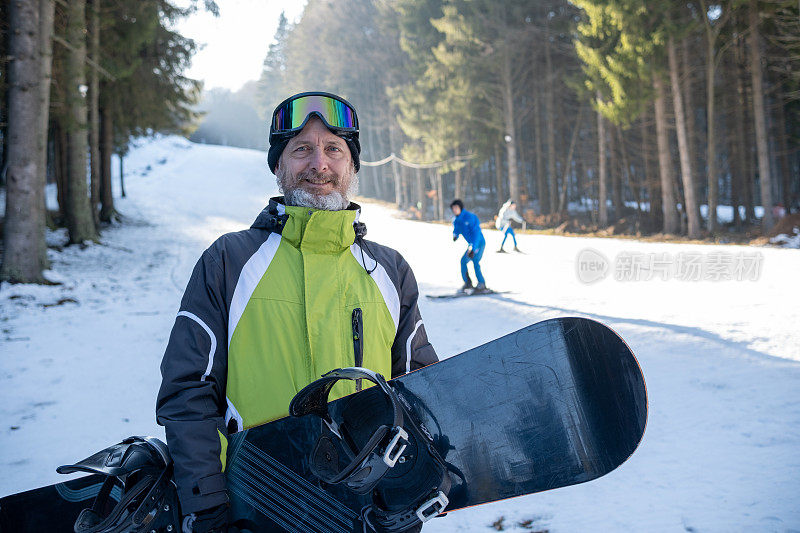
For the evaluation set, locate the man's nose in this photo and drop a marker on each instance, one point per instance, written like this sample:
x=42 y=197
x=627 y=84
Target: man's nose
x=319 y=160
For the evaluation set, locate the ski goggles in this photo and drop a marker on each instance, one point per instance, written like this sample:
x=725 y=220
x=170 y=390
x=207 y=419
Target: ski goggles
x=292 y=114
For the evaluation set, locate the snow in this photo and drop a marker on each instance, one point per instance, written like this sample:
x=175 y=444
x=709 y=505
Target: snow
x=724 y=212
x=787 y=240
x=721 y=357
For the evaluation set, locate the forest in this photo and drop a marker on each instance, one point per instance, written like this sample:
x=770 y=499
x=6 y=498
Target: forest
x=78 y=80
x=610 y=117
x=629 y=116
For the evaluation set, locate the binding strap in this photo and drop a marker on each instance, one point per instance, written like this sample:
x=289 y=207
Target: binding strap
x=336 y=457
x=350 y=451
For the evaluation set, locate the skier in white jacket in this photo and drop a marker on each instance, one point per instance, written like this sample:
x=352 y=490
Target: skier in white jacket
x=508 y=213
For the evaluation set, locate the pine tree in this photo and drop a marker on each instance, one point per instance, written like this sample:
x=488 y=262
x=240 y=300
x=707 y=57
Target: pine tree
x=271 y=84
x=22 y=260
x=80 y=220
x=617 y=43
x=759 y=117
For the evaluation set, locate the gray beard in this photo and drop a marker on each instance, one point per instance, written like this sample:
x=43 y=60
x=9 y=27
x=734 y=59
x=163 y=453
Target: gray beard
x=333 y=201
x=327 y=202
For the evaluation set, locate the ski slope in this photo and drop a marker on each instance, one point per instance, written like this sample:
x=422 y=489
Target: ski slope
x=79 y=366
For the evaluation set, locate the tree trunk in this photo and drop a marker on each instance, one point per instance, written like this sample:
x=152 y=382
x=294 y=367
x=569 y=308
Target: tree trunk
x=563 y=201
x=690 y=206
x=580 y=175
x=80 y=220
x=469 y=180
x=760 y=119
x=107 y=210
x=398 y=184
x=421 y=196
x=46 y=16
x=439 y=194
x=498 y=175
x=743 y=137
x=735 y=146
x=458 y=191
x=616 y=174
x=22 y=260
x=121 y=176
x=552 y=186
x=711 y=147
x=653 y=185
x=377 y=172
x=671 y=223
x=751 y=161
x=477 y=180
x=94 y=108
x=626 y=176
x=695 y=155
x=602 y=206
x=510 y=136
x=367 y=177
x=60 y=164
x=541 y=182
x=404 y=176
x=736 y=167
x=783 y=152
x=3 y=132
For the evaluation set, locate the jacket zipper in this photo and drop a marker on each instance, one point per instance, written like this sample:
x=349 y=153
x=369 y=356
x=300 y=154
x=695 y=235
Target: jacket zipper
x=358 y=335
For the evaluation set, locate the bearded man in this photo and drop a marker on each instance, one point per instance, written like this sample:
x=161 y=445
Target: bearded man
x=270 y=309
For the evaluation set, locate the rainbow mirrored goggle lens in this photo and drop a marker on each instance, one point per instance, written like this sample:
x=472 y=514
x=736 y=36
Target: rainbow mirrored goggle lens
x=293 y=114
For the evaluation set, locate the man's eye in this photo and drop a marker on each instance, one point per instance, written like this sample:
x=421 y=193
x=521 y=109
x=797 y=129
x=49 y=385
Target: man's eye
x=336 y=148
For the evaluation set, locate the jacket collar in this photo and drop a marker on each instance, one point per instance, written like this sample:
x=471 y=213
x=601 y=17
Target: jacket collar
x=310 y=229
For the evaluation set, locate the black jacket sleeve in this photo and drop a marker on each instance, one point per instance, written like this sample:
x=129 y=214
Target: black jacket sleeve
x=191 y=402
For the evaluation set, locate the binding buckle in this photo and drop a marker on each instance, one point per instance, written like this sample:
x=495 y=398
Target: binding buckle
x=432 y=507
x=390 y=456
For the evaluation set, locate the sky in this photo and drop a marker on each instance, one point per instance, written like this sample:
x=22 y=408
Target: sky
x=236 y=42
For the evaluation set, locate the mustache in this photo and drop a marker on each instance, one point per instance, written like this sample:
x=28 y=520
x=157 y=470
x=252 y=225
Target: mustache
x=318 y=176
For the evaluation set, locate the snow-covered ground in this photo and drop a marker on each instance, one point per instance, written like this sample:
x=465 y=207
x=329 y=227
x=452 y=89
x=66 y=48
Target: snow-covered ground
x=79 y=366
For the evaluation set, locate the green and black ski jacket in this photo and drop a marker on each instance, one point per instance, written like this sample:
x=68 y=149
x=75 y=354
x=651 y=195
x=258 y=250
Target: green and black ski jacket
x=267 y=311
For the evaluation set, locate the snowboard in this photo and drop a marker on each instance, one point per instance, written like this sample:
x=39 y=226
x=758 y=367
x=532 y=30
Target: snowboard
x=554 y=404
x=53 y=508
x=464 y=294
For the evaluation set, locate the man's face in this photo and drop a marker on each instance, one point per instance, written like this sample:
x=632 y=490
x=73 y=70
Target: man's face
x=456 y=209
x=316 y=169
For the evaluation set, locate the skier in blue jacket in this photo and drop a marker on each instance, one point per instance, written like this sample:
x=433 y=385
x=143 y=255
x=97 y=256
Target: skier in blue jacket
x=468 y=225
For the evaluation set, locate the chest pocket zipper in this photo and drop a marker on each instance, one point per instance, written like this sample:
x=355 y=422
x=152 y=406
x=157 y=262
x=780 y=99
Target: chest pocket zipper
x=358 y=343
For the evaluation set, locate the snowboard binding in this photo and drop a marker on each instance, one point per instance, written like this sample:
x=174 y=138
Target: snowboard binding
x=371 y=442
x=138 y=494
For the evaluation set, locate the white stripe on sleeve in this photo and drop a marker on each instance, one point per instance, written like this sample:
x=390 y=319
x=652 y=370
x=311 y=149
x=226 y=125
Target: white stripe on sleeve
x=211 y=335
x=408 y=345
